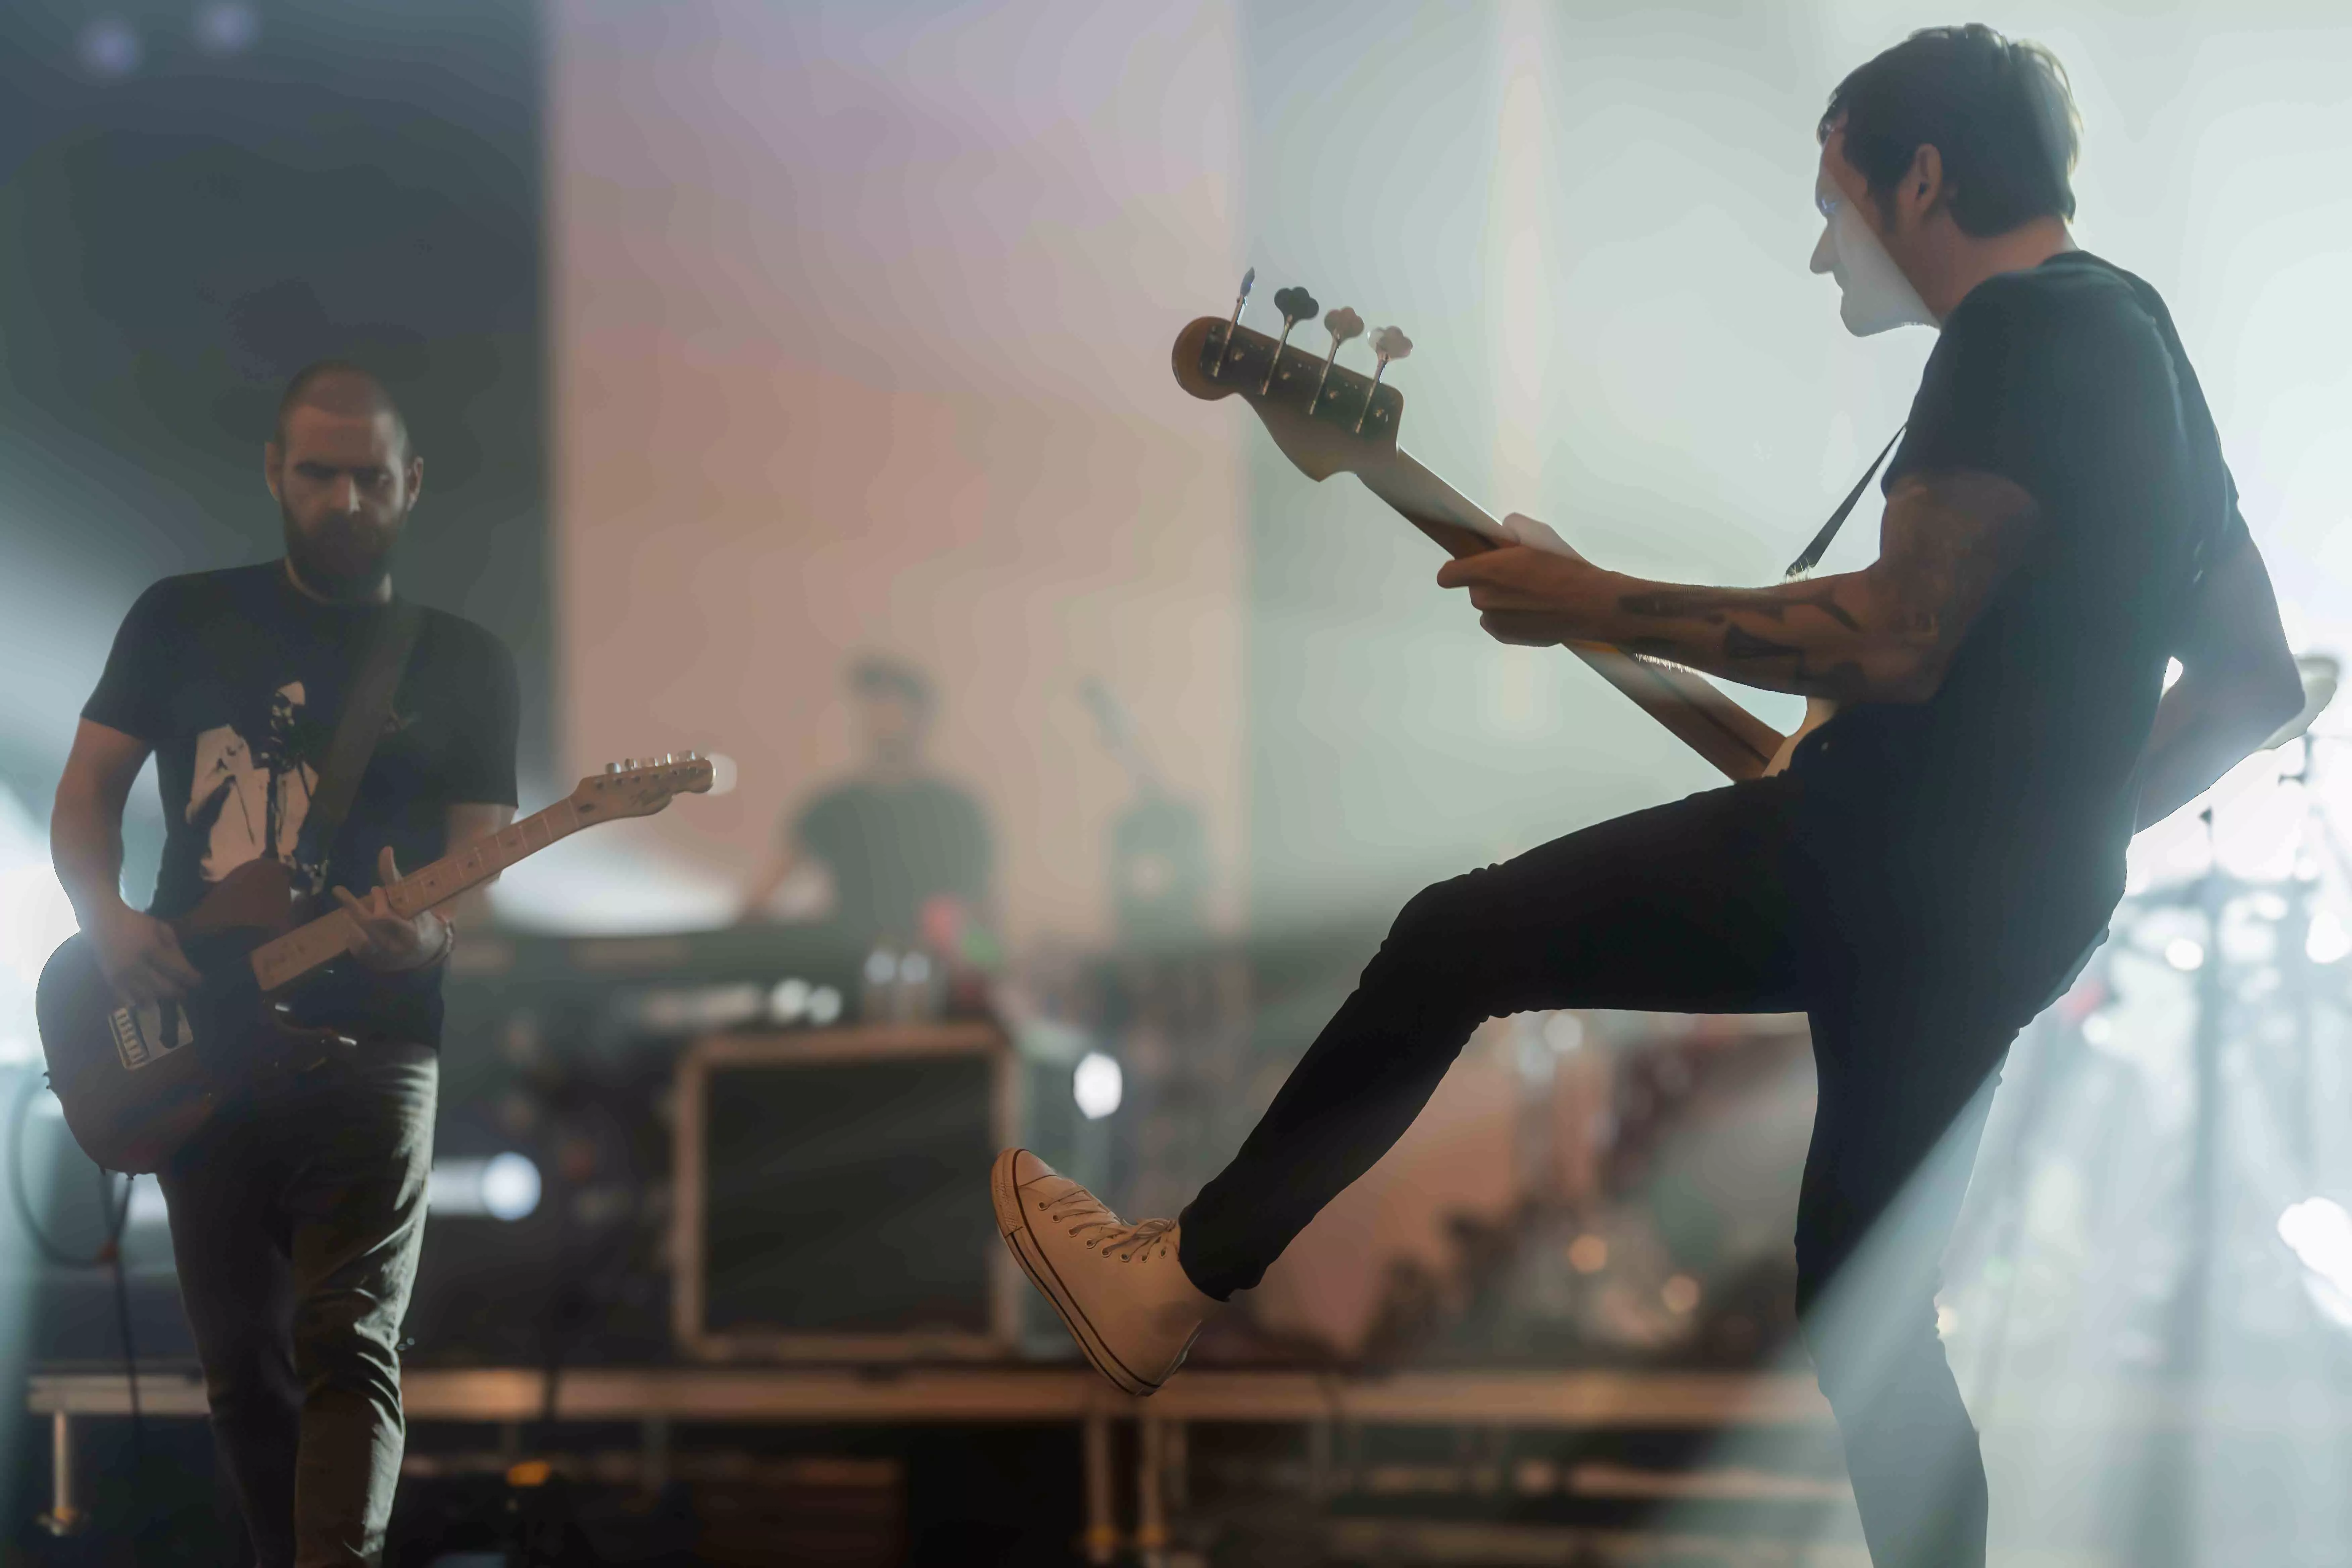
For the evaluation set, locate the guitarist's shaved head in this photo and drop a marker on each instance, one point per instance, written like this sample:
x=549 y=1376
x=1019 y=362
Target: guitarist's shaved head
x=341 y=387
x=345 y=476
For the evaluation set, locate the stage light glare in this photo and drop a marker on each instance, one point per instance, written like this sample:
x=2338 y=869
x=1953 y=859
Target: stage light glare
x=504 y=1187
x=1588 y=1254
x=110 y=47
x=2319 y=1233
x=2099 y=1029
x=2184 y=954
x=2327 y=941
x=789 y=1000
x=824 y=1005
x=1564 y=1032
x=2269 y=906
x=510 y=1186
x=34 y=918
x=227 y=27
x=1097 y=1086
x=1680 y=1294
x=881 y=966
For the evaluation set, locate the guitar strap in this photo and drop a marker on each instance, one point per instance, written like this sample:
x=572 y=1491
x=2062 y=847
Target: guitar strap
x=1811 y=556
x=365 y=713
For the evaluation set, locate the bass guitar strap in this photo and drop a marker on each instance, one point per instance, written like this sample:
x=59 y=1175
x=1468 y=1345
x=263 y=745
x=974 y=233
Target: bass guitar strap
x=1811 y=556
x=365 y=713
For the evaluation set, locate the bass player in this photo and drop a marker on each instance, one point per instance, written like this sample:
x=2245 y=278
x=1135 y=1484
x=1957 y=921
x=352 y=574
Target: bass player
x=1937 y=860
x=297 y=1212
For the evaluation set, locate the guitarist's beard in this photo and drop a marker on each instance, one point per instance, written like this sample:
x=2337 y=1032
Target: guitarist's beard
x=345 y=558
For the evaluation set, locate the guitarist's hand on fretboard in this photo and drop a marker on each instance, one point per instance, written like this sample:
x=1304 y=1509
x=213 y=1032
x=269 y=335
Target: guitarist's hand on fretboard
x=386 y=941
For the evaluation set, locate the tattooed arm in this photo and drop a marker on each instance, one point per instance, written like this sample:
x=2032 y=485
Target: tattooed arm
x=1883 y=634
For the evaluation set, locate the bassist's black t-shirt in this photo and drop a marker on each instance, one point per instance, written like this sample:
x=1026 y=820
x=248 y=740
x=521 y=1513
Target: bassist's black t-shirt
x=236 y=680
x=2002 y=807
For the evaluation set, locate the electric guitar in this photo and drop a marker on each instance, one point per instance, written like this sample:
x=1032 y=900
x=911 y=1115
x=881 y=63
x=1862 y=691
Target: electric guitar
x=137 y=1081
x=1328 y=419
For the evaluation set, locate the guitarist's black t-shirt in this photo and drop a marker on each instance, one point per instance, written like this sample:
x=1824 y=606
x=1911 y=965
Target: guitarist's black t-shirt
x=236 y=680
x=1998 y=811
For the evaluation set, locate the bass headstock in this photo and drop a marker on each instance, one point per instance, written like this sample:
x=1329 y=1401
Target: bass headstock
x=640 y=787
x=1327 y=418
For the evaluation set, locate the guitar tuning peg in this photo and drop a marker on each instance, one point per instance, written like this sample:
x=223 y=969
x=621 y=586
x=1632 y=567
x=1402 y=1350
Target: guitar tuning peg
x=1388 y=343
x=612 y=767
x=1342 y=324
x=1297 y=305
x=1249 y=279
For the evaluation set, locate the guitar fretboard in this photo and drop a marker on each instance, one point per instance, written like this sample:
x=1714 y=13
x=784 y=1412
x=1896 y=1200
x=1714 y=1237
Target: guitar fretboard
x=286 y=959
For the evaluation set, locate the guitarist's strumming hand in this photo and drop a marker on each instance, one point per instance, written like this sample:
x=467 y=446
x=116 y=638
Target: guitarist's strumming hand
x=387 y=941
x=141 y=957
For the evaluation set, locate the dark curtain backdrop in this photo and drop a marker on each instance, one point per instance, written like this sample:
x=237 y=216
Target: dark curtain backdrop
x=264 y=184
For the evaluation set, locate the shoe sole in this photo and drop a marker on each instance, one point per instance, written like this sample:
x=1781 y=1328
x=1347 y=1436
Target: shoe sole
x=1014 y=1224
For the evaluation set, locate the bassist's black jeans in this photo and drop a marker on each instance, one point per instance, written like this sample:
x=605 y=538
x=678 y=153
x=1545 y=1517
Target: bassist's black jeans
x=1713 y=904
x=296 y=1222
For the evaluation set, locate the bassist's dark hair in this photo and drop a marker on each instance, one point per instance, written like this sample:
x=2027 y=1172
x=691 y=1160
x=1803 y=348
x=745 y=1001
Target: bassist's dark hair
x=1998 y=111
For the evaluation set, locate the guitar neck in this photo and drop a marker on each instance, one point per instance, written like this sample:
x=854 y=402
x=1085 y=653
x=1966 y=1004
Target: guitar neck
x=284 y=960
x=1690 y=706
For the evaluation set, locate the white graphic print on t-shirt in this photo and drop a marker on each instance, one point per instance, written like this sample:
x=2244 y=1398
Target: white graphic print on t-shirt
x=250 y=796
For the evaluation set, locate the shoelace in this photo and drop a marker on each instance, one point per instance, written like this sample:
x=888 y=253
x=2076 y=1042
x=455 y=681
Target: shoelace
x=1140 y=1238
x=1083 y=1212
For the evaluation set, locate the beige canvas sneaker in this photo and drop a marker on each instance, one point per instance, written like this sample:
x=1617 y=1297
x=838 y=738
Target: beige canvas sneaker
x=1117 y=1286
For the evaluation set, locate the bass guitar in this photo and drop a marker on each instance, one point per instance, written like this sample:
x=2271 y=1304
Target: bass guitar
x=136 y=1080
x=1329 y=419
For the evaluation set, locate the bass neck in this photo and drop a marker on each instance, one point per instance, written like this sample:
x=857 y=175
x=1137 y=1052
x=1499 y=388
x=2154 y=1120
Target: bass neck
x=1328 y=419
x=1689 y=706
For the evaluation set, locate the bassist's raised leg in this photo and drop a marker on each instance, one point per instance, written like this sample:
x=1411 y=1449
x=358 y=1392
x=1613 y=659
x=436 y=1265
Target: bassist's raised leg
x=1682 y=907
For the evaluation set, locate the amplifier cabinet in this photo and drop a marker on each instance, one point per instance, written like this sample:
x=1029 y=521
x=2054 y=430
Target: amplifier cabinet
x=831 y=1198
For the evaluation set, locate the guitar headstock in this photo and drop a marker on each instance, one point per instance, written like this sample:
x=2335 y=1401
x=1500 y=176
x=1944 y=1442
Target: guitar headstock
x=1327 y=419
x=641 y=787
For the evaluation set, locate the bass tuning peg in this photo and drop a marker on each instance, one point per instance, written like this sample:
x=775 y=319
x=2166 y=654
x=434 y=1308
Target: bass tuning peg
x=1388 y=343
x=1297 y=305
x=1342 y=324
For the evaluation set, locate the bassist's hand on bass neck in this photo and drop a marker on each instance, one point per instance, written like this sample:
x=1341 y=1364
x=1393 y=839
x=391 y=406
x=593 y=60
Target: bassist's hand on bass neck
x=1328 y=419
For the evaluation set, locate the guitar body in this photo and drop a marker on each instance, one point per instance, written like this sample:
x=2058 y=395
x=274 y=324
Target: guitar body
x=1819 y=710
x=137 y=1082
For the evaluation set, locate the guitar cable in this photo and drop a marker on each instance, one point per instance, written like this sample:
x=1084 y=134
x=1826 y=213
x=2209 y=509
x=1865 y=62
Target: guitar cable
x=107 y=1255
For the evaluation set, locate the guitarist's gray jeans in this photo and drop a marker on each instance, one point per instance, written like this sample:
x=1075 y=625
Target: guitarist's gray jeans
x=296 y=1222
x=1713 y=904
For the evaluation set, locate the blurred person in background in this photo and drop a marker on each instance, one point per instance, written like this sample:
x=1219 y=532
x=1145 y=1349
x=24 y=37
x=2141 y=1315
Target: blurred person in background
x=903 y=854
x=297 y=1210
x=1939 y=859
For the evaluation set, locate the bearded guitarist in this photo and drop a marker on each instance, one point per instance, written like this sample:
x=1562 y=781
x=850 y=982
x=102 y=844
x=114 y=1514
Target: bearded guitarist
x=1940 y=858
x=298 y=1210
